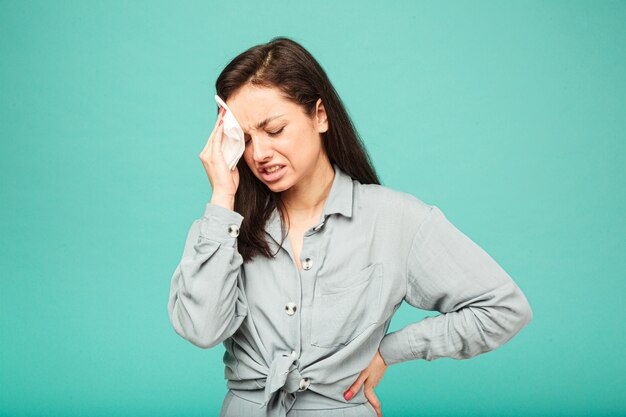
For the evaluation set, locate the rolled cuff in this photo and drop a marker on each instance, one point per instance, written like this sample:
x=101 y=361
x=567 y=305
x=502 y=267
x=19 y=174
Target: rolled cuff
x=395 y=348
x=220 y=224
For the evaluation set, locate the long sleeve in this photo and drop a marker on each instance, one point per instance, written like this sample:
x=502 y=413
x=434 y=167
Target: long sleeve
x=446 y=271
x=206 y=303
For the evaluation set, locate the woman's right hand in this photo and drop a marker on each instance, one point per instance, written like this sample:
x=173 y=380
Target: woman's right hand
x=224 y=182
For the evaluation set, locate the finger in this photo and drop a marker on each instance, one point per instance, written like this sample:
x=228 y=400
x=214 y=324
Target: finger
x=373 y=399
x=220 y=113
x=359 y=381
x=355 y=387
x=207 y=145
x=215 y=150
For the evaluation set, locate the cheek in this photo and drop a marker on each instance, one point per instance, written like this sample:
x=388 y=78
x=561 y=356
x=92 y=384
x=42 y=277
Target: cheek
x=247 y=155
x=307 y=143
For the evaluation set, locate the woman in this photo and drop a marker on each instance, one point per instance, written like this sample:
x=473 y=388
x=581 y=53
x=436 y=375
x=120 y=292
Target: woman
x=299 y=271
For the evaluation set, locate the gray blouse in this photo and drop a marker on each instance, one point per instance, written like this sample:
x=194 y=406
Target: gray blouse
x=287 y=331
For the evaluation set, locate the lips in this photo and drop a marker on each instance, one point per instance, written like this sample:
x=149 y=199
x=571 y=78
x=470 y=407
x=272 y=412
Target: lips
x=273 y=176
x=264 y=169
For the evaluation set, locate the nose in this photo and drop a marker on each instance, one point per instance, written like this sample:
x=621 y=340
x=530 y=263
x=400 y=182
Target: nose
x=261 y=150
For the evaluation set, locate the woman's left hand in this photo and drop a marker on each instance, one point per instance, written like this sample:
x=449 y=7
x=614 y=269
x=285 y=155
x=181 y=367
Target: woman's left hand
x=370 y=376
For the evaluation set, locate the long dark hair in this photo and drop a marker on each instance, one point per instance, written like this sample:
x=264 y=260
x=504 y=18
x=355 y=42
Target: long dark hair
x=286 y=65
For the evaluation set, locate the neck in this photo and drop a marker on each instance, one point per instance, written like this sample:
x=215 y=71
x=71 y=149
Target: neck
x=306 y=199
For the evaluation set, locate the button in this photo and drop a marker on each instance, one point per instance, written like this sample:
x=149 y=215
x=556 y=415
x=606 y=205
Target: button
x=304 y=384
x=233 y=230
x=293 y=354
x=307 y=264
x=291 y=308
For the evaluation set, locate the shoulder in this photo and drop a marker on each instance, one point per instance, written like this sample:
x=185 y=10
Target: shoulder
x=391 y=203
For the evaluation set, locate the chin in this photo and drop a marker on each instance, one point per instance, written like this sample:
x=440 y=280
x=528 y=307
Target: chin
x=277 y=187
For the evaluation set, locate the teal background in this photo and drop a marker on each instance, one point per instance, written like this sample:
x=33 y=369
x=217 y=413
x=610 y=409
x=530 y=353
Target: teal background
x=509 y=116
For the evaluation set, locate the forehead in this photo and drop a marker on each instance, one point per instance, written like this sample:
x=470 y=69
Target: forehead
x=250 y=105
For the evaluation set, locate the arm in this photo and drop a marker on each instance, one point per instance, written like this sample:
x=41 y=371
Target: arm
x=448 y=272
x=206 y=303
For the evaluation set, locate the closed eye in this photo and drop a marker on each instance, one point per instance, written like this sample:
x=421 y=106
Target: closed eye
x=276 y=132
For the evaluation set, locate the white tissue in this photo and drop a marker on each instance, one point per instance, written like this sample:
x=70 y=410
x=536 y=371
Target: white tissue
x=232 y=141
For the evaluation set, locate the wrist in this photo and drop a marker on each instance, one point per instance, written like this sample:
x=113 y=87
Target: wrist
x=382 y=359
x=226 y=201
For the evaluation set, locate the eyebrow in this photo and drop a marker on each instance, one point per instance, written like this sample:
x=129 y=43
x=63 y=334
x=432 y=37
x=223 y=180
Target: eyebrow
x=266 y=121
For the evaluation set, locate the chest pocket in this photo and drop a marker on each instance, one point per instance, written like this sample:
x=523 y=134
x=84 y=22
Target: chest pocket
x=344 y=308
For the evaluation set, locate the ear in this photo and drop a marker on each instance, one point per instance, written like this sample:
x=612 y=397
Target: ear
x=321 y=118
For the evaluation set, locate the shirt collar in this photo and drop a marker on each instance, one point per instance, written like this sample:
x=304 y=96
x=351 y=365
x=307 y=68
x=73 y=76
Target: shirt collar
x=339 y=201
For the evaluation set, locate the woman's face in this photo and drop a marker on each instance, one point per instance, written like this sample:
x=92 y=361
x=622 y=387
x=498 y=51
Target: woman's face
x=277 y=132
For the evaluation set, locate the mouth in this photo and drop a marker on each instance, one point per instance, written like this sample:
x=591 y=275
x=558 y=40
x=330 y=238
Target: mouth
x=274 y=173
